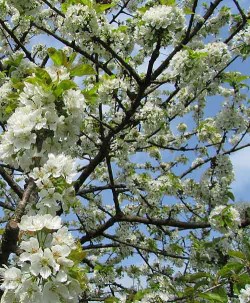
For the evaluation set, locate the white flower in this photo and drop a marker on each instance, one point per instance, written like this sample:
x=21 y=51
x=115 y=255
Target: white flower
x=35 y=97
x=12 y=278
x=30 y=292
x=74 y=289
x=162 y=16
x=42 y=263
x=60 y=165
x=53 y=291
x=38 y=222
x=74 y=101
x=31 y=247
x=31 y=223
x=49 y=196
x=62 y=236
x=80 y=20
x=60 y=252
x=224 y=218
x=61 y=276
x=58 y=73
x=51 y=222
x=244 y=296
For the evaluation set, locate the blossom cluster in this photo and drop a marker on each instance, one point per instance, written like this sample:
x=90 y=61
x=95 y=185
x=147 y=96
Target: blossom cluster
x=244 y=296
x=194 y=67
x=27 y=7
x=54 y=182
x=166 y=21
x=80 y=22
x=241 y=41
x=5 y=91
x=42 y=123
x=230 y=118
x=43 y=271
x=224 y=218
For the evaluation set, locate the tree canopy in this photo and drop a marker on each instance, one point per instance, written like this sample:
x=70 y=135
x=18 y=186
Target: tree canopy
x=118 y=122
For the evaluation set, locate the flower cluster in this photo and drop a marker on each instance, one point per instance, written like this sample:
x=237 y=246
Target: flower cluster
x=80 y=22
x=152 y=114
x=215 y=23
x=154 y=297
x=118 y=38
x=164 y=17
x=54 y=181
x=43 y=272
x=230 y=118
x=241 y=41
x=27 y=7
x=41 y=117
x=5 y=91
x=244 y=296
x=224 y=218
x=194 y=67
x=109 y=86
x=208 y=131
x=166 y=21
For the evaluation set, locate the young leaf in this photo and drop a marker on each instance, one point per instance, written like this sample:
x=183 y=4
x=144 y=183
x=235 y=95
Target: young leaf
x=168 y=2
x=57 y=56
x=63 y=86
x=82 y=70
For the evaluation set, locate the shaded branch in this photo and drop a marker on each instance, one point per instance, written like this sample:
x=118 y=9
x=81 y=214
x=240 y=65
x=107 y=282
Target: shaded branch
x=16 y=40
x=12 y=184
x=10 y=235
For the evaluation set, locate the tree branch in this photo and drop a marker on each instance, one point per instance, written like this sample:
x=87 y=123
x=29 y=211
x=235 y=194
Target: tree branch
x=12 y=184
x=10 y=235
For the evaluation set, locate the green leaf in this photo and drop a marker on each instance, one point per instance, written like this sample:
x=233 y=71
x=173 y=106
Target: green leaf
x=111 y=300
x=15 y=62
x=168 y=2
x=140 y=294
x=151 y=244
x=237 y=254
x=231 y=195
x=188 y=11
x=196 y=276
x=12 y=103
x=63 y=86
x=17 y=84
x=72 y=58
x=100 y=8
x=77 y=254
x=143 y=9
x=200 y=283
x=87 y=3
x=2 y=75
x=230 y=268
x=234 y=78
x=79 y=274
x=57 y=56
x=82 y=70
x=241 y=281
x=90 y=96
x=43 y=75
x=215 y=296
x=37 y=81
